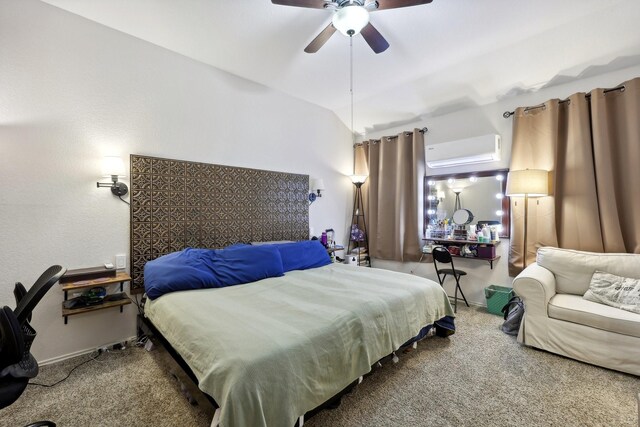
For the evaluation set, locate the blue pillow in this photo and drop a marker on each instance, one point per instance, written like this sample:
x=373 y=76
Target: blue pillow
x=209 y=268
x=303 y=255
x=244 y=264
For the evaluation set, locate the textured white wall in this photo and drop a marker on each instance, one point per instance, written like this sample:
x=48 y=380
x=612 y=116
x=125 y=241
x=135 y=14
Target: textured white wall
x=72 y=91
x=484 y=120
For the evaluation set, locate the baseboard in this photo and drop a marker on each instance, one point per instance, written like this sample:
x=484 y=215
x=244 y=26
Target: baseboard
x=477 y=304
x=471 y=303
x=63 y=357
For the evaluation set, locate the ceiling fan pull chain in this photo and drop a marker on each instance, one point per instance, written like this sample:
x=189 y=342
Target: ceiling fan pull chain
x=353 y=135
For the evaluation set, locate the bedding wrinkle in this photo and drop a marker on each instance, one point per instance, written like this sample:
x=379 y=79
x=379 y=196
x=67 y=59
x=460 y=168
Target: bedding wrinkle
x=271 y=350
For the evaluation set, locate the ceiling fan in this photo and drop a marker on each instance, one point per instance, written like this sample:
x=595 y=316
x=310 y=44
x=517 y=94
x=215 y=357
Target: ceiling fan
x=351 y=17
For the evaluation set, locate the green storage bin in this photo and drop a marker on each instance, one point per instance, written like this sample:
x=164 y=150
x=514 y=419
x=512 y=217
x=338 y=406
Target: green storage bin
x=497 y=297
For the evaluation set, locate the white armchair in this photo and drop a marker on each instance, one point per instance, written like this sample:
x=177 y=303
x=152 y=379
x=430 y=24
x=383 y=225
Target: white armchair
x=559 y=320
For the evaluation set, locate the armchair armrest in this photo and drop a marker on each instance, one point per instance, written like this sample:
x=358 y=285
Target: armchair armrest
x=535 y=285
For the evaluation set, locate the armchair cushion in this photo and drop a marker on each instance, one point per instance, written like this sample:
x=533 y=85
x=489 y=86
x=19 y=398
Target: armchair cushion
x=575 y=309
x=573 y=269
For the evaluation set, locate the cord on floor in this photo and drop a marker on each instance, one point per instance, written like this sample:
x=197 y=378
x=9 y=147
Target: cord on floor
x=69 y=374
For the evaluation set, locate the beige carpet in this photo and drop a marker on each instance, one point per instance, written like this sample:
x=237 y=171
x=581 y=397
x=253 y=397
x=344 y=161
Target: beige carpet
x=478 y=377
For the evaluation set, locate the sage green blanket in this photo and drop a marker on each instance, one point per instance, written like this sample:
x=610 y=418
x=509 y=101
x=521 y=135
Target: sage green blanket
x=269 y=351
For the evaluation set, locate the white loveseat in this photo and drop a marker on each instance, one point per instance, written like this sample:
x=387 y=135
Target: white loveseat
x=559 y=320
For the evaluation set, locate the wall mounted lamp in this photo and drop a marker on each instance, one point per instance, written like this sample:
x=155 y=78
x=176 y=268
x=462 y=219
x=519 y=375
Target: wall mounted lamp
x=317 y=186
x=113 y=167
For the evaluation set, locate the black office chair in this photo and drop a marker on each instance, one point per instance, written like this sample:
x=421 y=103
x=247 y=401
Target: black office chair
x=442 y=255
x=17 y=364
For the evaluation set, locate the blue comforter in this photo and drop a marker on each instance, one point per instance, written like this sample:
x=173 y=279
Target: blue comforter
x=235 y=265
x=210 y=268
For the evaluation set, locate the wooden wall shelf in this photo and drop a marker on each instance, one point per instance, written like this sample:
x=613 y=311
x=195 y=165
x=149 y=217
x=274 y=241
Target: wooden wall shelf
x=72 y=311
x=466 y=242
x=463 y=242
x=119 y=278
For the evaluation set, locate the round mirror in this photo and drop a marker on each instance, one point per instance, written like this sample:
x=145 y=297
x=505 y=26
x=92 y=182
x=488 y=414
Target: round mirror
x=462 y=217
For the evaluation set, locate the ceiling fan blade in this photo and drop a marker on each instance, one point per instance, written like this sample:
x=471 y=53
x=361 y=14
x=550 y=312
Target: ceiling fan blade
x=394 y=4
x=374 y=39
x=320 y=39
x=313 y=4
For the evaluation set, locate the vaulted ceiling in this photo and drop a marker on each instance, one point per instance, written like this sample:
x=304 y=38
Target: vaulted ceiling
x=445 y=55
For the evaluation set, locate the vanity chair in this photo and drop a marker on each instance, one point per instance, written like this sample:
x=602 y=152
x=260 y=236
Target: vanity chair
x=441 y=255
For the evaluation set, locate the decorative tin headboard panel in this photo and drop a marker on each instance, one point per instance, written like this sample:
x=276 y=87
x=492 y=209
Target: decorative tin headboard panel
x=177 y=204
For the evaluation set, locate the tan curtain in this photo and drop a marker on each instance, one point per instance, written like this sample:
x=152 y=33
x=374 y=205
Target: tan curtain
x=616 y=146
x=393 y=194
x=592 y=149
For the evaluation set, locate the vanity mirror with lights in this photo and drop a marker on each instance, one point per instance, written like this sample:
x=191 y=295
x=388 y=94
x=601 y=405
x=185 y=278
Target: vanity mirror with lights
x=468 y=198
x=457 y=207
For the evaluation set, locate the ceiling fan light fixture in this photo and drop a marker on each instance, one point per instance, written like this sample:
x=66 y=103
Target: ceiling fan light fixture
x=350 y=20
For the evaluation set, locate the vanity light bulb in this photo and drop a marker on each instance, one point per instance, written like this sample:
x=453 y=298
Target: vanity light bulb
x=499 y=213
x=431 y=183
x=451 y=180
x=500 y=177
x=431 y=197
x=500 y=196
x=431 y=212
x=473 y=179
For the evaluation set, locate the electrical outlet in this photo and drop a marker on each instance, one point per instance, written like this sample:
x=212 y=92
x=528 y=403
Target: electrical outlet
x=121 y=261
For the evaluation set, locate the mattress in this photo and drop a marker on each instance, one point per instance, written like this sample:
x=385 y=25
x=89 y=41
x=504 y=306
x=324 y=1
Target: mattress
x=271 y=350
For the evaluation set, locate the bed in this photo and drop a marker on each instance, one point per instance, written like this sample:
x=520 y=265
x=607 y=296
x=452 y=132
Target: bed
x=272 y=350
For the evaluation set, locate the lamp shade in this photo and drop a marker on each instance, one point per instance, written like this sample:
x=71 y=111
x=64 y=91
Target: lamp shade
x=528 y=182
x=317 y=184
x=358 y=179
x=113 y=165
x=350 y=20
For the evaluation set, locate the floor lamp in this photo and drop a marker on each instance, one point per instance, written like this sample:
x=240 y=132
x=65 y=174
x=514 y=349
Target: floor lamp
x=527 y=183
x=358 y=215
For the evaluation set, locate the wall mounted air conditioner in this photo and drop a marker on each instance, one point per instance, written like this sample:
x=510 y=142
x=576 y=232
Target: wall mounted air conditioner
x=469 y=151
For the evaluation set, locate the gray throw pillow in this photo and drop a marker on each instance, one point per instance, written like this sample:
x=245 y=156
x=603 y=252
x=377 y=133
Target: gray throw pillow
x=616 y=291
